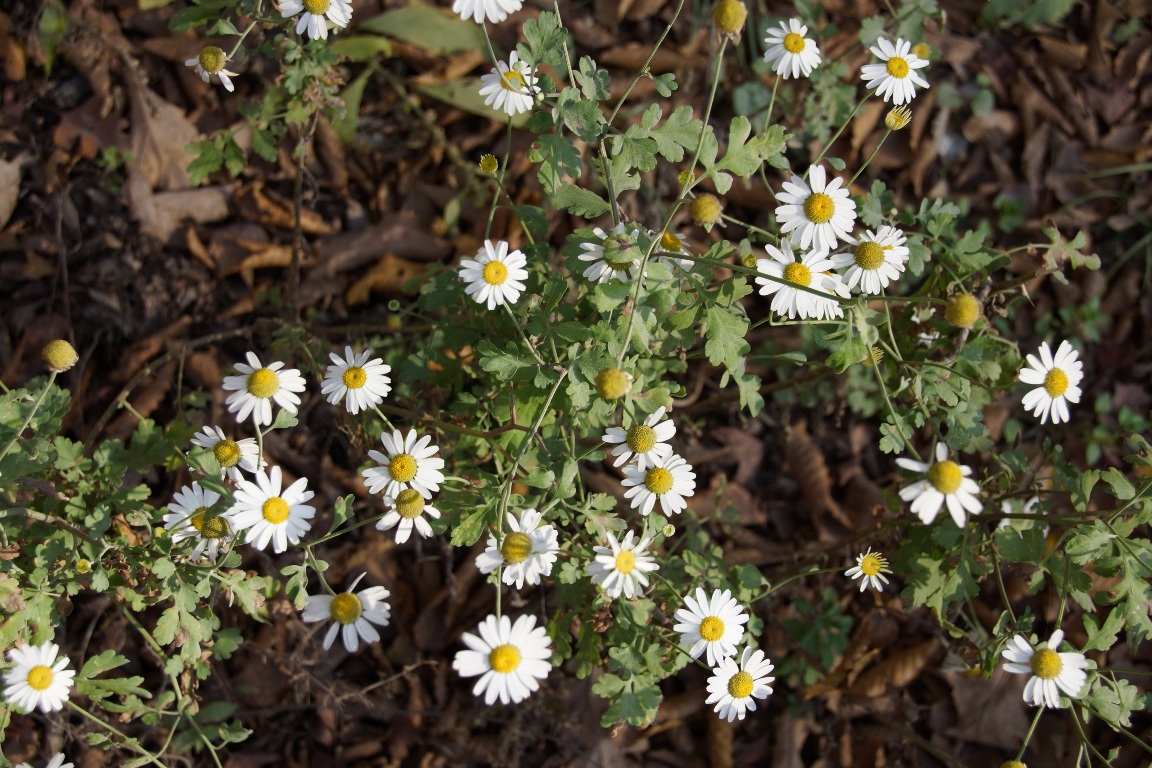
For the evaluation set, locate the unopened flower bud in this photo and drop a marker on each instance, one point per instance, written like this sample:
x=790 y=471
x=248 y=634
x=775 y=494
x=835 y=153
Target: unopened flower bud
x=962 y=311
x=59 y=356
x=706 y=210
x=748 y=260
x=1012 y=764
x=874 y=356
x=898 y=118
x=489 y=164
x=613 y=383
x=921 y=51
x=212 y=59
x=729 y=17
x=83 y=566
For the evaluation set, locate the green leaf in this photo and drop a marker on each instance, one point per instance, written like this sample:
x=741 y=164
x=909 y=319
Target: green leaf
x=558 y=159
x=608 y=686
x=1090 y=542
x=347 y=122
x=505 y=363
x=665 y=83
x=341 y=511
x=593 y=82
x=470 y=528
x=584 y=118
x=1102 y=637
x=434 y=29
x=362 y=48
x=580 y=201
x=679 y=132
x=637 y=707
x=744 y=157
x=193 y=16
x=1016 y=546
x=285 y=419
x=545 y=41
x=1120 y=485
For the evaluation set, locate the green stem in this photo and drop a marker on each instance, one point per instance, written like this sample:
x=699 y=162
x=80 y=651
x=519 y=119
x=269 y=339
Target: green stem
x=647 y=62
x=771 y=102
x=832 y=141
x=520 y=329
x=860 y=170
x=126 y=740
x=1028 y=736
x=240 y=41
x=35 y=407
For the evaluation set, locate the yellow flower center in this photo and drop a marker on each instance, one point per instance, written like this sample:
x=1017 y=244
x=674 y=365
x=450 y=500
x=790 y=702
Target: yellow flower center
x=874 y=356
x=354 y=377
x=871 y=565
x=409 y=504
x=962 y=310
x=1046 y=664
x=641 y=438
x=669 y=242
x=516 y=547
x=317 y=7
x=705 y=209
x=263 y=383
x=489 y=164
x=345 y=608
x=818 y=208
x=1012 y=764
x=402 y=467
x=711 y=629
x=83 y=566
x=869 y=255
x=798 y=273
x=275 y=510
x=211 y=59
x=921 y=50
x=897 y=118
x=1056 y=382
x=504 y=658
x=658 y=480
x=59 y=355
x=513 y=81
x=495 y=273
x=227 y=452
x=216 y=528
x=613 y=383
x=897 y=67
x=40 y=677
x=625 y=561
x=793 y=43
x=945 y=476
x=740 y=685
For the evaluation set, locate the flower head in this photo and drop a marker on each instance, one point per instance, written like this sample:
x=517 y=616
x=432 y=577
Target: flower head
x=269 y=514
x=317 y=14
x=870 y=569
x=57 y=761
x=729 y=16
x=510 y=87
x=791 y=53
x=494 y=11
x=613 y=383
x=352 y=614
x=232 y=455
x=37 y=678
x=511 y=659
x=646 y=441
x=495 y=276
x=944 y=482
x=185 y=520
x=211 y=61
x=897 y=118
x=668 y=480
x=705 y=209
x=896 y=79
x=527 y=551
x=258 y=386
x=1051 y=670
x=962 y=310
x=1057 y=380
x=407 y=462
x=672 y=243
x=713 y=624
x=818 y=211
x=615 y=255
x=875 y=260
x=734 y=688
x=360 y=382
x=59 y=356
x=408 y=510
x=811 y=271
x=621 y=568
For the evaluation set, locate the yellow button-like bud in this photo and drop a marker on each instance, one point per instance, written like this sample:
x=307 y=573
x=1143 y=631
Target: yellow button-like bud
x=489 y=164
x=613 y=383
x=963 y=310
x=59 y=355
x=729 y=17
x=706 y=210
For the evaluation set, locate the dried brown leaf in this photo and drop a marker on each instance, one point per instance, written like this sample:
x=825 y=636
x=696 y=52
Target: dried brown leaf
x=897 y=670
x=807 y=467
x=387 y=276
x=272 y=210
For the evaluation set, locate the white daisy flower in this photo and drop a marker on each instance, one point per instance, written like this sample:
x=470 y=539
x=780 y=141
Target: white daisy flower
x=946 y=482
x=495 y=276
x=37 y=678
x=527 y=552
x=268 y=514
x=57 y=761
x=186 y=520
x=671 y=244
x=714 y=625
x=510 y=87
x=875 y=260
x=231 y=455
x=1051 y=670
x=616 y=255
x=812 y=271
x=212 y=61
x=317 y=14
x=407 y=462
x=896 y=79
x=1058 y=379
x=352 y=614
x=510 y=658
x=669 y=480
x=819 y=212
x=792 y=53
x=621 y=568
x=494 y=11
x=365 y=382
x=408 y=508
x=647 y=441
x=258 y=386
x=734 y=688
x=870 y=569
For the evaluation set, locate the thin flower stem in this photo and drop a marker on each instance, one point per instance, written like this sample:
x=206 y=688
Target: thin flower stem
x=240 y=41
x=33 y=514
x=773 y=587
x=860 y=170
x=892 y=412
x=523 y=335
x=832 y=140
x=1000 y=584
x=346 y=529
x=647 y=62
x=567 y=57
x=385 y=419
x=315 y=564
x=126 y=740
x=35 y=407
x=1031 y=729
x=1083 y=737
x=771 y=103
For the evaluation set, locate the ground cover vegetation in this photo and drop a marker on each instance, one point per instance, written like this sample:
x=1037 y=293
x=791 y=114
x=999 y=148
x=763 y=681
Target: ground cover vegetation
x=691 y=408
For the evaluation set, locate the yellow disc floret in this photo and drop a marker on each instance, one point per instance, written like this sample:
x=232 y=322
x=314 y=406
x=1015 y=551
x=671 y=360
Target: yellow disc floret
x=729 y=17
x=211 y=59
x=263 y=383
x=216 y=528
x=945 y=476
x=874 y=356
x=922 y=51
x=354 y=377
x=669 y=242
x=83 y=566
x=516 y=547
x=1046 y=664
x=227 y=452
x=641 y=438
x=317 y=7
x=613 y=383
x=275 y=510
x=897 y=118
x=402 y=467
x=40 y=677
x=871 y=564
x=897 y=67
x=798 y=273
x=625 y=561
x=489 y=164
x=658 y=480
x=409 y=504
x=1056 y=382
x=740 y=685
x=59 y=355
x=513 y=81
x=705 y=210
x=818 y=208
x=711 y=629
x=793 y=43
x=869 y=255
x=962 y=310
x=345 y=608
x=495 y=273
x=504 y=658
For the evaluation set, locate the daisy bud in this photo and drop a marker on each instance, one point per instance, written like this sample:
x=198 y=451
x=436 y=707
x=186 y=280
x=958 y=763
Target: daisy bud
x=1012 y=764
x=684 y=179
x=748 y=260
x=668 y=530
x=613 y=383
x=923 y=51
x=706 y=210
x=212 y=59
x=729 y=17
x=874 y=356
x=963 y=310
x=59 y=355
x=898 y=118
x=489 y=164
x=83 y=566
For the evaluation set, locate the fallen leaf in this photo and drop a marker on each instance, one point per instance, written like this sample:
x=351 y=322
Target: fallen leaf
x=389 y=275
x=272 y=210
x=897 y=670
x=9 y=187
